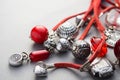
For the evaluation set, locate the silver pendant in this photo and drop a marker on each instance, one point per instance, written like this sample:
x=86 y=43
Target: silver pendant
x=101 y=67
x=17 y=59
x=41 y=69
x=113 y=36
x=81 y=49
x=66 y=30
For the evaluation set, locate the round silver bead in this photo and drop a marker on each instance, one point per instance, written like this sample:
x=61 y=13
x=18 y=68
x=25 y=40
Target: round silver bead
x=66 y=30
x=63 y=45
x=81 y=49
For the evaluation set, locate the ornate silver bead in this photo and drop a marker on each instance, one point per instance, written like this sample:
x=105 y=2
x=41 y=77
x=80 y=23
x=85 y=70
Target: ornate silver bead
x=66 y=30
x=101 y=67
x=50 y=43
x=81 y=49
x=113 y=36
x=63 y=45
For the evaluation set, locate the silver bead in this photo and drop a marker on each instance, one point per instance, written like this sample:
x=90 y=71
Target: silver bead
x=101 y=67
x=50 y=43
x=112 y=36
x=81 y=49
x=66 y=30
x=78 y=19
x=40 y=69
x=63 y=45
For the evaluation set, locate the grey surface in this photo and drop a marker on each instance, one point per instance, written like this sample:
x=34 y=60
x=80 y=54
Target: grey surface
x=17 y=17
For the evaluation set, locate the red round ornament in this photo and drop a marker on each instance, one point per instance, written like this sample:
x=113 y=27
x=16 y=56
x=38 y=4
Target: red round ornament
x=117 y=49
x=39 y=34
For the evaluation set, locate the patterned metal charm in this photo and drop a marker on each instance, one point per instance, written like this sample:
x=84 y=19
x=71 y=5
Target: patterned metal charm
x=112 y=36
x=63 y=45
x=40 y=69
x=66 y=30
x=101 y=67
x=17 y=59
x=81 y=49
x=50 y=43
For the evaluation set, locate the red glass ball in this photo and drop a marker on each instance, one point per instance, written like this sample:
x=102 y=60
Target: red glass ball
x=117 y=49
x=95 y=41
x=39 y=34
x=39 y=55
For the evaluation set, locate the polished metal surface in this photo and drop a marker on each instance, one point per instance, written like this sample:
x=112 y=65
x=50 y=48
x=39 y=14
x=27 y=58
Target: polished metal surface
x=16 y=60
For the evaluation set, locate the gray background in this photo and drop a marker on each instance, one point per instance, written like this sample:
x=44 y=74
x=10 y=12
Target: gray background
x=17 y=17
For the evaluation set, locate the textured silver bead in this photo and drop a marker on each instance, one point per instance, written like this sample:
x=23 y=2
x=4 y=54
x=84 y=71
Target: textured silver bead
x=63 y=45
x=50 y=43
x=66 y=30
x=112 y=36
x=101 y=67
x=81 y=49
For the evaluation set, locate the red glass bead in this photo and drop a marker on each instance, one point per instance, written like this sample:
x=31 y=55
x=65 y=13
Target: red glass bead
x=117 y=49
x=39 y=55
x=39 y=34
x=95 y=41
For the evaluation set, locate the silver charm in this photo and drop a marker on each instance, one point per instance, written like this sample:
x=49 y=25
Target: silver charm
x=113 y=35
x=101 y=67
x=63 y=45
x=17 y=59
x=50 y=43
x=66 y=30
x=41 y=69
x=81 y=49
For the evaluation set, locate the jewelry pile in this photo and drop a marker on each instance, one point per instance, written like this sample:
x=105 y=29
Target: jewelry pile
x=65 y=37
